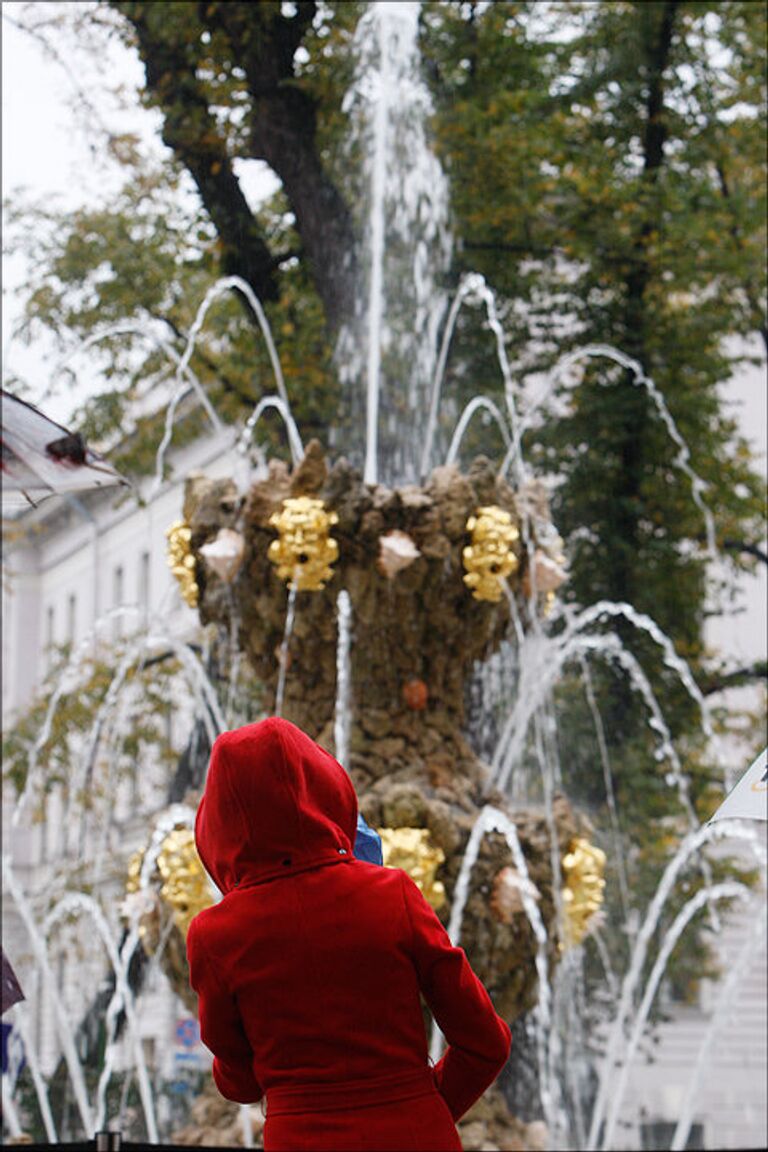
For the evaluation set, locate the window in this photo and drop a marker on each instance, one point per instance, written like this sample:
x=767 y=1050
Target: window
x=50 y=635
x=71 y=618
x=656 y=1136
x=144 y=586
x=118 y=595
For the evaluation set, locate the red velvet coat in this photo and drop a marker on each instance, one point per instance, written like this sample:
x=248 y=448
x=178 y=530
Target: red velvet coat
x=309 y=970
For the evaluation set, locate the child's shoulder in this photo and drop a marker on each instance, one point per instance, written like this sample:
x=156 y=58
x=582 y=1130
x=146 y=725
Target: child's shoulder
x=379 y=877
x=209 y=919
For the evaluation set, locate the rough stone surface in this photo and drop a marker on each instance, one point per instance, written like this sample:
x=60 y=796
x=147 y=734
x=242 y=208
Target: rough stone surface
x=216 y=1123
x=410 y=768
x=488 y=1127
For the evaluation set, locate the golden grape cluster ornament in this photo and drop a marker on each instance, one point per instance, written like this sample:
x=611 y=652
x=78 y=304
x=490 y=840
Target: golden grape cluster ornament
x=410 y=849
x=181 y=560
x=305 y=550
x=490 y=558
x=583 y=868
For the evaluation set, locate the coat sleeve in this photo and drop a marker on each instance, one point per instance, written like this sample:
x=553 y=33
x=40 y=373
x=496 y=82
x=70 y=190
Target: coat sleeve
x=221 y=1026
x=478 y=1039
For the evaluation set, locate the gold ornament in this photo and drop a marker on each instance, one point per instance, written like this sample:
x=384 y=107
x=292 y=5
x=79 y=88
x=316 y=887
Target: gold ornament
x=583 y=866
x=184 y=888
x=489 y=559
x=185 y=884
x=133 y=880
x=410 y=849
x=304 y=553
x=181 y=560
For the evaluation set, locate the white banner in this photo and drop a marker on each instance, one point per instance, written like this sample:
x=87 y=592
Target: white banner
x=749 y=799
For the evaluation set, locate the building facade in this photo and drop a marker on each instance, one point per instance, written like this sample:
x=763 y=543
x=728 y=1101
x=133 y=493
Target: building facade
x=91 y=574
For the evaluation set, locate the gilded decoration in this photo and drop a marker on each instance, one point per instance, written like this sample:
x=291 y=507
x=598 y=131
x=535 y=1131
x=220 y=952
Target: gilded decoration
x=411 y=850
x=184 y=889
x=583 y=869
x=305 y=550
x=490 y=558
x=181 y=560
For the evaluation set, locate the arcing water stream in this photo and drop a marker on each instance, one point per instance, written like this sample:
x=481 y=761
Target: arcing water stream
x=391 y=105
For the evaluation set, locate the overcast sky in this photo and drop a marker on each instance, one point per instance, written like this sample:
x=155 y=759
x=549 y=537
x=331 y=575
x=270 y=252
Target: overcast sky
x=48 y=154
x=45 y=155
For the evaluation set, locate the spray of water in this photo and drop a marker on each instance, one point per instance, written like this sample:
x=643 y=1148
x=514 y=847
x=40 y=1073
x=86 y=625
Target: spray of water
x=63 y=1026
x=736 y=971
x=407 y=243
x=285 y=650
x=78 y=903
x=640 y=380
x=492 y=819
x=689 y=847
x=22 y=1024
x=342 y=715
x=474 y=290
x=706 y=896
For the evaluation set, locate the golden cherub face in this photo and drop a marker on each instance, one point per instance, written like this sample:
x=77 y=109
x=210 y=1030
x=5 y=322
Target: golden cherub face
x=304 y=552
x=185 y=888
x=489 y=560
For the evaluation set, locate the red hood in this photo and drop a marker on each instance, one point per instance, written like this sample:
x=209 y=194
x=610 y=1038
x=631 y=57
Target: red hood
x=275 y=802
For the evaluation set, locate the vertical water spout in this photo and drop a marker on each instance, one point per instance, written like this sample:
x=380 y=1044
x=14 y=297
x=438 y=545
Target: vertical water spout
x=376 y=286
x=284 y=653
x=342 y=714
x=386 y=354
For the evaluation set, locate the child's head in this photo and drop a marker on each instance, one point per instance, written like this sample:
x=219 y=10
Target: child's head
x=275 y=802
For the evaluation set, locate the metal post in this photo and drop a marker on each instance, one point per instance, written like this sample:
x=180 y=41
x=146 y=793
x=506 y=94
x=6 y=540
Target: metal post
x=108 y=1141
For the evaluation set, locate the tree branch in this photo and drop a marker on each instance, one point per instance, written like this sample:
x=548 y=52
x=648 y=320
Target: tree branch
x=737 y=678
x=731 y=545
x=283 y=132
x=221 y=376
x=191 y=132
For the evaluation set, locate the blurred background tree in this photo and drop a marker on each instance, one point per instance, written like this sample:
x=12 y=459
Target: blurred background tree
x=607 y=174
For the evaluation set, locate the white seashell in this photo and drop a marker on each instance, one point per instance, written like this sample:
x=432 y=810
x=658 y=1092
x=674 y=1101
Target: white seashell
x=396 y=551
x=509 y=887
x=549 y=574
x=225 y=554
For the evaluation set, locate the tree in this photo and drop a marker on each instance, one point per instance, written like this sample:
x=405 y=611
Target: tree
x=607 y=175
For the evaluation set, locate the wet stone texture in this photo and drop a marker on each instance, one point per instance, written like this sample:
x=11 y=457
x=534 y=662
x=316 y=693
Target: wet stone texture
x=488 y=1127
x=415 y=639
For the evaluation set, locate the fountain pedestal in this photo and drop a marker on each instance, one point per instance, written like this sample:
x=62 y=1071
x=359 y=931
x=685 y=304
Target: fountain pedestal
x=415 y=638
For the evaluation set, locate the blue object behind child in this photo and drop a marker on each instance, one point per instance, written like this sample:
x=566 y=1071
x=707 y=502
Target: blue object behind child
x=367 y=843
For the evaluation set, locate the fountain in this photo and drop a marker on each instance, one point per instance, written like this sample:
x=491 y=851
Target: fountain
x=366 y=608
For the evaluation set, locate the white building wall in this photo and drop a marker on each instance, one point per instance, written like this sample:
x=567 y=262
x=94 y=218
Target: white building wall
x=730 y=1101
x=59 y=585
x=66 y=554
x=732 y=1098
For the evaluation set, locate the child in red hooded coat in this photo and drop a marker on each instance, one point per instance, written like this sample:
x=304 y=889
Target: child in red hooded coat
x=308 y=971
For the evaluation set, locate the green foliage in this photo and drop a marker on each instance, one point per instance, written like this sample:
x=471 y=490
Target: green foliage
x=607 y=176
x=118 y=754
